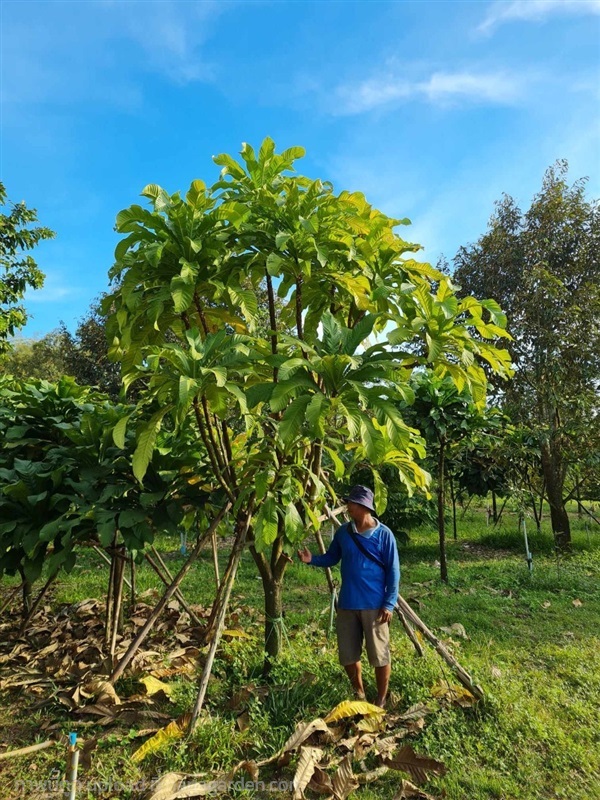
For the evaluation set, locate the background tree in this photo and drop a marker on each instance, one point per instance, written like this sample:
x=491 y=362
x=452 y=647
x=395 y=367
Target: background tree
x=542 y=266
x=43 y=358
x=279 y=415
x=445 y=416
x=18 y=270
x=85 y=353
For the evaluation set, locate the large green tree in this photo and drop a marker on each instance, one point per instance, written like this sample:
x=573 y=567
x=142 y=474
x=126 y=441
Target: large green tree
x=282 y=410
x=18 y=269
x=543 y=267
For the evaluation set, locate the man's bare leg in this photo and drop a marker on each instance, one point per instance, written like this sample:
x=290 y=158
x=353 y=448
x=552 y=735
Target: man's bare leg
x=382 y=676
x=354 y=672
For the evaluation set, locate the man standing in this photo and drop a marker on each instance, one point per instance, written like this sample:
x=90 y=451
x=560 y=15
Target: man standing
x=369 y=592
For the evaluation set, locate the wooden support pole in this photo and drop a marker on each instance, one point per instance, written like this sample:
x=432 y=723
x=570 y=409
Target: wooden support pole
x=409 y=632
x=215 y=556
x=462 y=675
x=24 y=751
x=117 y=603
x=105 y=558
x=36 y=604
x=223 y=601
x=167 y=579
x=11 y=597
x=150 y=622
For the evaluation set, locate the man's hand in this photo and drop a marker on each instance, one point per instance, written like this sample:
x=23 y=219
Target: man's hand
x=305 y=555
x=384 y=616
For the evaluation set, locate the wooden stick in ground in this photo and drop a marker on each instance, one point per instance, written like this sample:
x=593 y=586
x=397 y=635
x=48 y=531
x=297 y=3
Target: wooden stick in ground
x=220 y=619
x=108 y=618
x=24 y=751
x=462 y=675
x=36 y=604
x=132 y=584
x=104 y=557
x=216 y=560
x=409 y=632
x=166 y=577
x=118 y=605
x=137 y=642
x=11 y=597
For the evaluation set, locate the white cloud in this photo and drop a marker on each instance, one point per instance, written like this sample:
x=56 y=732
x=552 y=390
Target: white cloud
x=533 y=11
x=440 y=88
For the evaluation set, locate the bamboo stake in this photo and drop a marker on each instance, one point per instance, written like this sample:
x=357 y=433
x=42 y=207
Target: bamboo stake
x=215 y=559
x=135 y=645
x=118 y=605
x=132 y=584
x=167 y=579
x=410 y=632
x=104 y=557
x=220 y=620
x=36 y=604
x=26 y=750
x=11 y=597
x=110 y=599
x=462 y=675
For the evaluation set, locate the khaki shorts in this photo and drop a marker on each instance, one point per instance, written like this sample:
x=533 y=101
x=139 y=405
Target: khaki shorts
x=352 y=627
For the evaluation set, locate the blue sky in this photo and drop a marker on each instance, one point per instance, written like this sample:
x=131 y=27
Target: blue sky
x=433 y=109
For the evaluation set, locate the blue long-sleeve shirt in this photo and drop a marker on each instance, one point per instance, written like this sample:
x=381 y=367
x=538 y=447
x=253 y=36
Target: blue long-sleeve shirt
x=364 y=583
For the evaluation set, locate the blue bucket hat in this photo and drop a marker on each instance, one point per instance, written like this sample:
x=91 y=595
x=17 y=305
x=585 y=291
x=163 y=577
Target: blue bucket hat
x=362 y=495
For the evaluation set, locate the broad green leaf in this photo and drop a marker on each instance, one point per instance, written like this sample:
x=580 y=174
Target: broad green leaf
x=119 y=431
x=292 y=419
x=146 y=443
x=294 y=526
x=372 y=441
x=381 y=494
x=182 y=293
x=265 y=525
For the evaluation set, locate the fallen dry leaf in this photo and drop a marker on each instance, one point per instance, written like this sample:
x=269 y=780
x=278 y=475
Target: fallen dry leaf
x=408 y=791
x=307 y=761
x=344 y=782
x=417 y=766
x=320 y=782
x=577 y=603
x=453 y=693
x=456 y=629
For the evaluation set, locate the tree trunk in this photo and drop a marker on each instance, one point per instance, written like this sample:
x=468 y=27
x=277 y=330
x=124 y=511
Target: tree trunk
x=26 y=594
x=453 y=497
x=273 y=621
x=494 y=507
x=441 y=509
x=554 y=478
x=536 y=516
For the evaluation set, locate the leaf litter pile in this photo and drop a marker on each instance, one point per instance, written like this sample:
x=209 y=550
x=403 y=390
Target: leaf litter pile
x=61 y=659
x=355 y=744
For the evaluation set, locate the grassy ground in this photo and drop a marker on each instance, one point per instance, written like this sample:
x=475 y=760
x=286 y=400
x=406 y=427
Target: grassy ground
x=533 y=644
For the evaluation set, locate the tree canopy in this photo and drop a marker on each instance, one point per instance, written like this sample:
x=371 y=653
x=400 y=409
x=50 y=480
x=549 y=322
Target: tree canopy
x=18 y=269
x=280 y=414
x=543 y=267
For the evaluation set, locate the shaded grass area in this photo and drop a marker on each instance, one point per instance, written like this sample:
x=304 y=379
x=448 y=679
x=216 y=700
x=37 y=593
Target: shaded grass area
x=533 y=644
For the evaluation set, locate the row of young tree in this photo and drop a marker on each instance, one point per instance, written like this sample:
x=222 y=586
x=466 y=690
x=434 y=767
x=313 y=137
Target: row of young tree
x=273 y=338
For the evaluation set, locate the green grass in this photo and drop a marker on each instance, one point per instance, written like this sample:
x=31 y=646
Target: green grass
x=535 y=652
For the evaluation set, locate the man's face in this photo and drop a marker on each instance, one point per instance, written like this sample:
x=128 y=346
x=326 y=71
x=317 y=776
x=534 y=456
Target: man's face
x=356 y=511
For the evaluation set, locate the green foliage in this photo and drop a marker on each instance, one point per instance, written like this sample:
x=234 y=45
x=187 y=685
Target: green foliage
x=285 y=401
x=18 y=270
x=542 y=267
x=64 y=482
x=193 y=268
